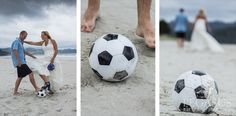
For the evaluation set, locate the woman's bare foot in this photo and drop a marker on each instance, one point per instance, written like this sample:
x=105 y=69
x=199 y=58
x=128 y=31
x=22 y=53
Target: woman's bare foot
x=147 y=32
x=89 y=21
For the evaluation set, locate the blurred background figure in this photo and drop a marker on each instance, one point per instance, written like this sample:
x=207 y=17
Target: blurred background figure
x=201 y=39
x=180 y=29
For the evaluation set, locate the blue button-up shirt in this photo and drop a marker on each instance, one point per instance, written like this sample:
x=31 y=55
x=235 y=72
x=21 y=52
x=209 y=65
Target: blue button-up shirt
x=181 y=23
x=18 y=46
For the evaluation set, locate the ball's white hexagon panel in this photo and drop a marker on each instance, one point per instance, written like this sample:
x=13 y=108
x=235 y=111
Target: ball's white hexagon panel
x=193 y=81
x=119 y=63
x=107 y=72
x=93 y=60
x=100 y=45
x=114 y=47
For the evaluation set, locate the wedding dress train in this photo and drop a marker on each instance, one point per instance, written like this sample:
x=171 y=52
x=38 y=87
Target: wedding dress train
x=202 y=40
x=39 y=67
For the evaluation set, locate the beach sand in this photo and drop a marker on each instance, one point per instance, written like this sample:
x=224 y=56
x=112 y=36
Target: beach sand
x=62 y=103
x=221 y=67
x=132 y=97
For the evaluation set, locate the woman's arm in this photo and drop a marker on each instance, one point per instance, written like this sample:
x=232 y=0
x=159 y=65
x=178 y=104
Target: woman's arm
x=55 y=51
x=40 y=43
x=207 y=25
x=192 y=24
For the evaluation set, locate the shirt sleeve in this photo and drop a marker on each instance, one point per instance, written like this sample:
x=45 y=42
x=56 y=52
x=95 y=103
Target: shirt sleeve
x=15 y=45
x=176 y=18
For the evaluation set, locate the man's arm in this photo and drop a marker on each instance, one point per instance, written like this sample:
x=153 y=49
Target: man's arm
x=17 y=57
x=29 y=54
x=55 y=51
x=15 y=48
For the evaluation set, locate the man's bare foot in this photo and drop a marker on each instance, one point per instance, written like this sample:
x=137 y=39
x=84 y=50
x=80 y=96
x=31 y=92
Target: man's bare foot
x=89 y=20
x=147 y=32
x=16 y=93
x=37 y=89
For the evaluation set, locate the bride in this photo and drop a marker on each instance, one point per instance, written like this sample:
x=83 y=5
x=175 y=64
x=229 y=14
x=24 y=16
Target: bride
x=52 y=78
x=201 y=39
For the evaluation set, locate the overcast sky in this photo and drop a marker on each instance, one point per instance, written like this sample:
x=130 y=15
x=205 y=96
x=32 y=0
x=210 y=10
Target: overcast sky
x=220 y=10
x=56 y=16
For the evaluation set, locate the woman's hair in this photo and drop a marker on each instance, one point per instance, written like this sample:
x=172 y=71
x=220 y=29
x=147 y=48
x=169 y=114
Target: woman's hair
x=201 y=14
x=47 y=34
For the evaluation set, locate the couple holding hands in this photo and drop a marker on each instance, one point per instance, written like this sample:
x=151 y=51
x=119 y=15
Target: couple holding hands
x=46 y=66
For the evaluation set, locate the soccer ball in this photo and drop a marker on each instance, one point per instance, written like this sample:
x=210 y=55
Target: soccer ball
x=42 y=93
x=113 y=57
x=195 y=91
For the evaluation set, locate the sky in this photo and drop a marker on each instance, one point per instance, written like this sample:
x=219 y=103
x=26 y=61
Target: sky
x=58 y=17
x=216 y=10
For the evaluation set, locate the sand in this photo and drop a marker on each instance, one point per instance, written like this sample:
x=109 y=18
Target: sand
x=221 y=67
x=132 y=97
x=28 y=104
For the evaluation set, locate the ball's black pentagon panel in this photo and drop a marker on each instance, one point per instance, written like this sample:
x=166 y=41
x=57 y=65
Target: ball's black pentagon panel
x=185 y=108
x=120 y=75
x=209 y=110
x=104 y=58
x=96 y=72
x=217 y=90
x=42 y=94
x=110 y=37
x=91 y=49
x=128 y=53
x=179 y=86
x=199 y=73
x=200 y=92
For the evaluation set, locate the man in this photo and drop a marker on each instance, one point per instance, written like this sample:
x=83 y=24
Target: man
x=18 y=58
x=144 y=28
x=181 y=23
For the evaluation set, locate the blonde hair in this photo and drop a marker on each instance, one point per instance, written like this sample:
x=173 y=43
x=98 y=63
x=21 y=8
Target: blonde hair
x=47 y=34
x=201 y=14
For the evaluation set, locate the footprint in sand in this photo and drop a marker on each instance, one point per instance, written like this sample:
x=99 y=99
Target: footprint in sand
x=59 y=110
x=8 y=102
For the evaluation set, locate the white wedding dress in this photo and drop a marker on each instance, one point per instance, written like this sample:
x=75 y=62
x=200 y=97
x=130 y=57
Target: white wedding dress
x=202 y=40
x=39 y=67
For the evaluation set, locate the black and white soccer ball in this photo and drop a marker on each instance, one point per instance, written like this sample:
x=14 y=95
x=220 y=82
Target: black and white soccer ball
x=195 y=91
x=42 y=93
x=113 y=57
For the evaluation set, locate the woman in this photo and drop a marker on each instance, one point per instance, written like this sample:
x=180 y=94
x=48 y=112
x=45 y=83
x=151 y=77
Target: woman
x=40 y=65
x=201 y=39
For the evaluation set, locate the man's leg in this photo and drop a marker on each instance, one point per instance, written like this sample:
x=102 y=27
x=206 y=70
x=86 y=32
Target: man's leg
x=179 y=42
x=182 y=43
x=17 y=84
x=31 y=77
x=89 y=19
x=145 y=28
